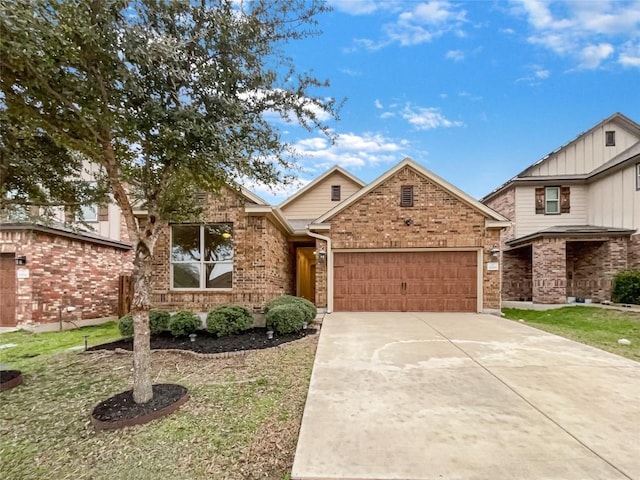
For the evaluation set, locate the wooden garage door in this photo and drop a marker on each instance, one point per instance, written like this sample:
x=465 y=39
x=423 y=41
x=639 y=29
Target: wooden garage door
x=405 y=281
x=7 y=290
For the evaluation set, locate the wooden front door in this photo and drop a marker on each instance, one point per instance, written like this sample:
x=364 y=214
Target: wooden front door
x=7 y=290
x=405 y=281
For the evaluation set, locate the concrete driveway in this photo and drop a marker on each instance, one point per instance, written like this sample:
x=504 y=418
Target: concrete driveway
x=462 y=396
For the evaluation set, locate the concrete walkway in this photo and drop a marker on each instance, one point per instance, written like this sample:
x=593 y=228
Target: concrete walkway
x=416 y=396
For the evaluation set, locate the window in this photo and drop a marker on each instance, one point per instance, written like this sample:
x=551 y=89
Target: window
x=335 y=193
x=406 y=196
x=202 y=256
x=552 y=200
x=637 y=176
x=610 y=138
x=88 y=213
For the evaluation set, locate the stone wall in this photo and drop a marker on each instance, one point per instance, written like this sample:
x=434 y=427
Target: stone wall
x=64 y=271
x=436 y=220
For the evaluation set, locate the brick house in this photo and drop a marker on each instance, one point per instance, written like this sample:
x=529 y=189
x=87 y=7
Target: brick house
x=408 y=241
x=575 y=214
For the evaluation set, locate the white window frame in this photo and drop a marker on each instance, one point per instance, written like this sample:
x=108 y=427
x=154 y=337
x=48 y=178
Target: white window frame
x=88 y=213
x=202 y=262
x=637 y=176
x=548 y=200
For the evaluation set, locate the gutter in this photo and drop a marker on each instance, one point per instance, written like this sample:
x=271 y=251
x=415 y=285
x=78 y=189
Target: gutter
x=329 y=268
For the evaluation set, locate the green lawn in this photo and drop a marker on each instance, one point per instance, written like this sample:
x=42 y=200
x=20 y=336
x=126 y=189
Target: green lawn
x=598 y=327
x=31 y=345
x=241 y=421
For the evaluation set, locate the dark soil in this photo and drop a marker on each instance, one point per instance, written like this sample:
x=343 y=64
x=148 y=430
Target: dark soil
x=122 y=406
x=8 y=375
x=252 y=339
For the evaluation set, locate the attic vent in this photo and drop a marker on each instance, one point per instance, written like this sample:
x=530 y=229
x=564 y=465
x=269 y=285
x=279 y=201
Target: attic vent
x=335 y=193
x=406 y=196
x=201 y=196
x=610 y=138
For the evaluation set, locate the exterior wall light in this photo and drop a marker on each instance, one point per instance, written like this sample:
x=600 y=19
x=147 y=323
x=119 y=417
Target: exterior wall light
x=21 y=260
x=322 y=254
x=494 y=251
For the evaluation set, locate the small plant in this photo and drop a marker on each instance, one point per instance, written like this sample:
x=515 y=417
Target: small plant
x=125 y=325
x=308 y=308
x=228 y=320
x=626 y=287
x=158 y=322
x=286 y=318
x=183 y=323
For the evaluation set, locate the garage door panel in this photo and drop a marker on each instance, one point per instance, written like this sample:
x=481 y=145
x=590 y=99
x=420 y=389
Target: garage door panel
x=405 y=281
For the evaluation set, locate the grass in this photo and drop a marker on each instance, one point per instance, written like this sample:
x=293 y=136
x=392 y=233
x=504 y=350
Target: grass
x=30 y=345
x=598 y=327
x=241 y=421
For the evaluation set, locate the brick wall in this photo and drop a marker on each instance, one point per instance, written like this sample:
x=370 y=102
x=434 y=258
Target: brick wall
x=517 y=274
x=262 y=267
x=63 y=271
x=634 y=252
x=549 y=271
x=438 y=219
x=505 y=203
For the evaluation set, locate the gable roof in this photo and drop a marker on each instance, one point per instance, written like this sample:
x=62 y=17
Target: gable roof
x=315 y=182
x=620 y=119
x=442 y=183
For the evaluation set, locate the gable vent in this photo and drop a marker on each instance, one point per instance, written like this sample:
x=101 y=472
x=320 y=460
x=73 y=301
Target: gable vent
x=406 y=196
x=335 y=193
x=201 y=196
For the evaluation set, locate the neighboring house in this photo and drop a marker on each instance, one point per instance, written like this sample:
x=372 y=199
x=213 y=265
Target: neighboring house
x=61 y=269
x=408 y=241
x=575 y=215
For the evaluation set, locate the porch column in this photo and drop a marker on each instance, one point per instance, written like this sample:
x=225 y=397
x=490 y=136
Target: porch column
x=549 y=269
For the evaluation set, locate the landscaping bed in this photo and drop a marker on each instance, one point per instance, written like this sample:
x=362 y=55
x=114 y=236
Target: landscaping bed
x=204 y=342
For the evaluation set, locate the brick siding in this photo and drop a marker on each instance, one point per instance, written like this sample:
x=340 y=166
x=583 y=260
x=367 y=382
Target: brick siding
x=517 y=274
x=549 y=271
x=438 y=220
x=262 y=265
x=62 y=272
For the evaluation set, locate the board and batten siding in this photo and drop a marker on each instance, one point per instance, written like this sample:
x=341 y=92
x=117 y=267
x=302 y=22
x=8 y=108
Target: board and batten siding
x=316 y=201
x=585 y=154
x=614 y=200
x=527 y=221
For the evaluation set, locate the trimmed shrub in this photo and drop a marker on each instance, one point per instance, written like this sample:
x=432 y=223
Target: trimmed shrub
x=183 y=323
x=158 y=321
x=626 y=287
x=228 y=320
x=125 y=325
x=308 y=308
x=286 y=318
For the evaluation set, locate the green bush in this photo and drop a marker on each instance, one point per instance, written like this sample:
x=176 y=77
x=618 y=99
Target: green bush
x=183 y=323
x=286 y=318
x=308 y=308
x=626 y=287
x=228 y=320
x=125 y=325
x=158 y=321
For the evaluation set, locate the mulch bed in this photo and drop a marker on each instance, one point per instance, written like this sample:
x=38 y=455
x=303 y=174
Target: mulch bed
x=252 y=339
x=10 y=379
x=121 y=411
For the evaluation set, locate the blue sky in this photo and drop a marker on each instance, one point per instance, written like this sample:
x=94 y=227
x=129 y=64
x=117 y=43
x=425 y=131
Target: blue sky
x=474 y=91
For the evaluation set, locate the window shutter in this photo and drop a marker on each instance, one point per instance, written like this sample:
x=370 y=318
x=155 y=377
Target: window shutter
x=103 y=213
x=565 y=206
x=406 y=196
x=540 y=200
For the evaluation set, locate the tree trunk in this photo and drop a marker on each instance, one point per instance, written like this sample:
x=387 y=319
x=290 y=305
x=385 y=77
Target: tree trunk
x=140 y=306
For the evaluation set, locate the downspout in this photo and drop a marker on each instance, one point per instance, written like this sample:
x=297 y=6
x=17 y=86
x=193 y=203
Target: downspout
x=329 y=268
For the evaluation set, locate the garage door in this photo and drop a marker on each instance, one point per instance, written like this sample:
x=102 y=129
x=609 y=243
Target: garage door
x=405 y=281
x=7 y=290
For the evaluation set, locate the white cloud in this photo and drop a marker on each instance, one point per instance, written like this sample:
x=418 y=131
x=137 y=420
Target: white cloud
x=378 y=104
x=590 y=32
x=455 y=55
x=535 y=73
x=630 y=55
x=422 y=118
x=357 y=7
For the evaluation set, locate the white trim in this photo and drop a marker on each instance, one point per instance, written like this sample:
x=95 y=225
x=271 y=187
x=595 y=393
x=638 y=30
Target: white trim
x=329 y=279
x=479 y=264
x=408 y=162
x=496 y=224
x=313 y=183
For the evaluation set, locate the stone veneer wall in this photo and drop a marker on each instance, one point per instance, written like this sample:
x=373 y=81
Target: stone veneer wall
x=438 y=220
x=261 y=268
x=64 y=271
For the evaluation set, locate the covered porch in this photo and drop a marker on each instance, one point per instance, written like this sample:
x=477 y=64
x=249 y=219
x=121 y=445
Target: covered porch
x=558 y=263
